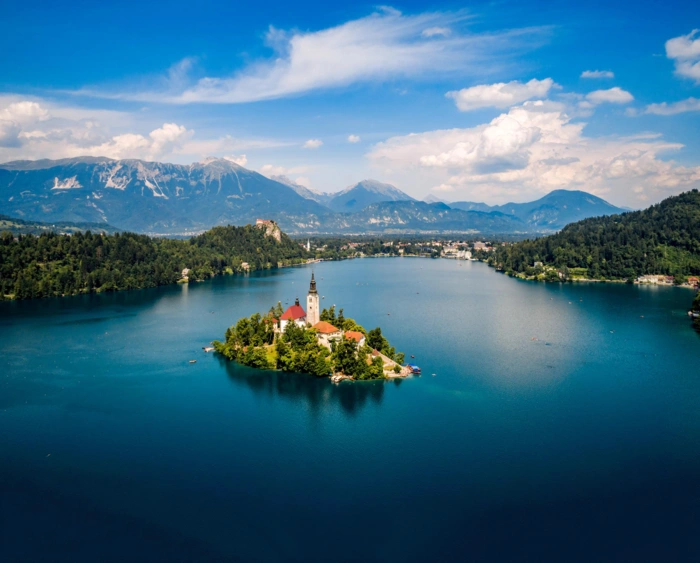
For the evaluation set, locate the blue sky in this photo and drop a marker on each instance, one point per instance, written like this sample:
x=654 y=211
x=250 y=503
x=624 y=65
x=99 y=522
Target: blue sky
x=488 y=101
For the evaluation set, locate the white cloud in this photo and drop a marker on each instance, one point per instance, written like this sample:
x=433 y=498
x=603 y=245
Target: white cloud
x=312 y=144
x=31 y=129
x=386 y=45
x=682 y=106
x=303 y=181
x=531 y=150
x=443 y=188
x=597 y=74
x=685 y=53
x=241 y=160
x=614 y=95
x=436 y=31
x=9 y=133
x=159 y=142
x=353 y=139
x=270 y=170
x=167 y=138
x=24 y=112
x=501 y=94
x=14 y=117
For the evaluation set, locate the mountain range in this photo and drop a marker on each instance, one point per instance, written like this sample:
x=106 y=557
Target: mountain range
x=553 y=211
x=175 y=199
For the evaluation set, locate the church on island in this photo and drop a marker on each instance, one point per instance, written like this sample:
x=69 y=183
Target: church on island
x=298 y=340
x=327 y=333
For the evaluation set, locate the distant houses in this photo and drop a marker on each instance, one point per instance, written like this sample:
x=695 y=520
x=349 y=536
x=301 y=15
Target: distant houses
x=456 y=251
x=656 y=279
x=659 y=279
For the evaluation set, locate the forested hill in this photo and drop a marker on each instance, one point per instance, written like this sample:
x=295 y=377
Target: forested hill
x=54 y=265
x=663 y=239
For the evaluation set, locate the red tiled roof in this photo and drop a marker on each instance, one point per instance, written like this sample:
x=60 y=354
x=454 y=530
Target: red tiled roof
x=325 y=328
x=293 y=313
x=356 y=336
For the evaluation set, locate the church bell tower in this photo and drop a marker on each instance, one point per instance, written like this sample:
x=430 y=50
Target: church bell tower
x=312 y=304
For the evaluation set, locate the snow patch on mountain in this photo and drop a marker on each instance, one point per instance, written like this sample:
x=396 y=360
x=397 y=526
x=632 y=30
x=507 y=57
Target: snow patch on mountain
x=155 y=188
x=111 y=180
x=66 y=184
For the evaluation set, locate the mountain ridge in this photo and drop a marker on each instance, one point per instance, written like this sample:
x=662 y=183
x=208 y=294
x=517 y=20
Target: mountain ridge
x=552 y=211
x=364 y=193
x=178 y=199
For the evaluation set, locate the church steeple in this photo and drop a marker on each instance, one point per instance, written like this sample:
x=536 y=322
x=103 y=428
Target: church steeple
x=312 y=303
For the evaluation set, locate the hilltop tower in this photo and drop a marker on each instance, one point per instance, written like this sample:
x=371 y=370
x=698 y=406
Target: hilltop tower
x=313 y=313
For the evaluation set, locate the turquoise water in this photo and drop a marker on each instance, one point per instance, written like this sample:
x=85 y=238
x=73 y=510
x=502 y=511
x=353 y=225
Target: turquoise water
x=562 y=424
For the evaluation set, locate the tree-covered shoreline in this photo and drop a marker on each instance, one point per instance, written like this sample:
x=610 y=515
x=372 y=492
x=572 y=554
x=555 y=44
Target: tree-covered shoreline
x=663 y=239
x=52 y=265
x=254 y=342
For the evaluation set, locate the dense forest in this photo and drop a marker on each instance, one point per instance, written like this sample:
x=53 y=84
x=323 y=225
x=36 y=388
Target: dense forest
x=663 y=239
x=252 y=342
x=54 y=265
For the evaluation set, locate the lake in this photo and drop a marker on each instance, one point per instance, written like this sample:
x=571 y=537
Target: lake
x=552 y=422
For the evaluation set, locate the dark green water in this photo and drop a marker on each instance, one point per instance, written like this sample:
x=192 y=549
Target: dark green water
x=581 y=445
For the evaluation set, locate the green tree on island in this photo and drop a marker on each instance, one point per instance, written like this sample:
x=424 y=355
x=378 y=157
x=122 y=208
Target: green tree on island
x=328 y=315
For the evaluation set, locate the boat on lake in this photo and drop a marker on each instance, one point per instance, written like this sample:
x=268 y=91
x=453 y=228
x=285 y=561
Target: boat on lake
x=414 y=369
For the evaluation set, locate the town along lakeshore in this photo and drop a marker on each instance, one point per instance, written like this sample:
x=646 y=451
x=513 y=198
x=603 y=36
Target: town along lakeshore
x=580 y=445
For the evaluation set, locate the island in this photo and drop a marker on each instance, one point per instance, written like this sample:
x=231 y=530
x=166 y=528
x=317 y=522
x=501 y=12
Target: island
x=317 y=342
